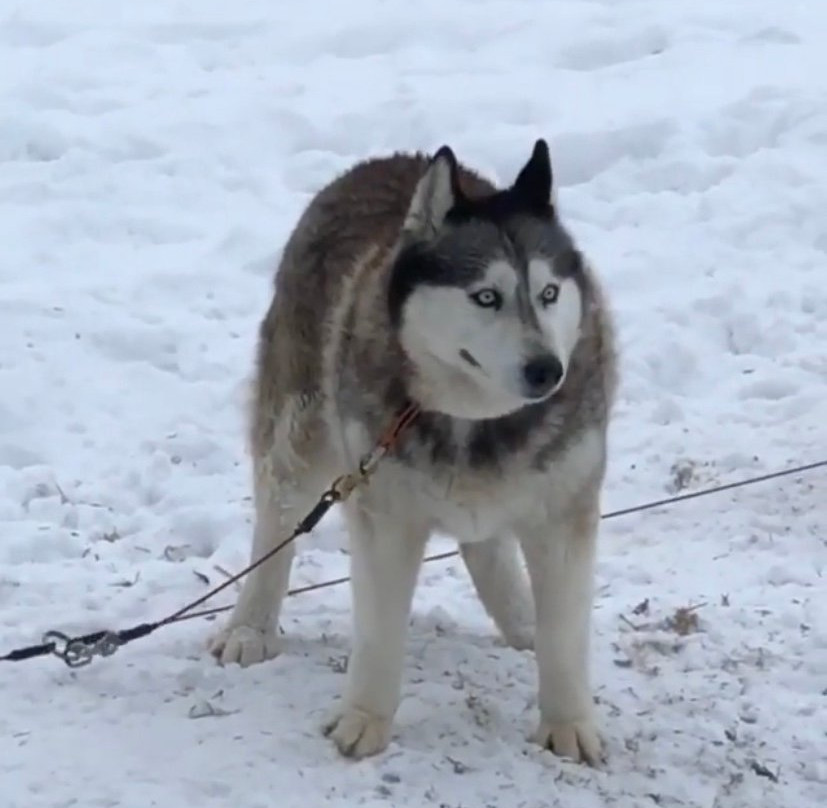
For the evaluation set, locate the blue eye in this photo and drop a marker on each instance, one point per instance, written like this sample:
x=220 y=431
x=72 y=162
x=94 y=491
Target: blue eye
x=487 y=298
x=549 y=294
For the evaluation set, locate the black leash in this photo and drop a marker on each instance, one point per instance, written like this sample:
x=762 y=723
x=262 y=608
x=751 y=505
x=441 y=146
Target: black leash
x=79 y=651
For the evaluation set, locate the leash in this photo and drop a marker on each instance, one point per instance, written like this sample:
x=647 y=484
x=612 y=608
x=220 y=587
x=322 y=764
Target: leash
x=640 y=508
x=79 y=651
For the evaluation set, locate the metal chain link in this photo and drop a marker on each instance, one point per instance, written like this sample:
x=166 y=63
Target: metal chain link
x=79 y=651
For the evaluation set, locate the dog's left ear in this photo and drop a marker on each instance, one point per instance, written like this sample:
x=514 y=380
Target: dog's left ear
x=436 y=193
x=534 y=182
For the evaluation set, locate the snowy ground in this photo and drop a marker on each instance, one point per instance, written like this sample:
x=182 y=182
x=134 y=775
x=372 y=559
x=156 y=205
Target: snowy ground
x=154 y=155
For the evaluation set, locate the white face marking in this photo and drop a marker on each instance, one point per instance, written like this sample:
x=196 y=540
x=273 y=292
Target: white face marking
x=561 y=319
x=501 y=275
x=471 y=356
x=467 y=355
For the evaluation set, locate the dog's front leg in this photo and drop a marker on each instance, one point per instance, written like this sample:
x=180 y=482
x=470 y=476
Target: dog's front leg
x=385 y=561
x=561 y=565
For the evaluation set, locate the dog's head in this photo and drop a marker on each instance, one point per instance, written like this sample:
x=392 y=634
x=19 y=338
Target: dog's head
x=484 y=293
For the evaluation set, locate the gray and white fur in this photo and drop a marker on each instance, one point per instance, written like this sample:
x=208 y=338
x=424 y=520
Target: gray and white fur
x=414 y=279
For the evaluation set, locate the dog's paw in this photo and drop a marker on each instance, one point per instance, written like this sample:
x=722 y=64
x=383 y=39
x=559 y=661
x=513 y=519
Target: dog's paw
x=576 y=740
x=244 y=645
x=357 y=733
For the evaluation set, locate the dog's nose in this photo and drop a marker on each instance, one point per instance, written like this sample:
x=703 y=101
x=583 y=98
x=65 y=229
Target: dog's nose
x=541 y=374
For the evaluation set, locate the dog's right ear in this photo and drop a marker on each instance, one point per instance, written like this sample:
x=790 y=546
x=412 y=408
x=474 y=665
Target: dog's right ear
x=535 y=180
x=436 y=193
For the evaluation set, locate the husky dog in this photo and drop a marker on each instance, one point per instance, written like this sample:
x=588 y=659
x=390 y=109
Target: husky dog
x=416 y=280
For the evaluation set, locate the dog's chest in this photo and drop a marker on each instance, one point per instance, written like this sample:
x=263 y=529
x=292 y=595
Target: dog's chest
x=469 y=502
x=468 y=507
x=476 y=510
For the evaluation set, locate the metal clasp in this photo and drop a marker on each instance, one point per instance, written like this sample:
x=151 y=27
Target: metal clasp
x=77 y=652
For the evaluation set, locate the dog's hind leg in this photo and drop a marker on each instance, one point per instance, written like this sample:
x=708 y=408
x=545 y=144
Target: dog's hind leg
x=286 y=487
x=503 y=587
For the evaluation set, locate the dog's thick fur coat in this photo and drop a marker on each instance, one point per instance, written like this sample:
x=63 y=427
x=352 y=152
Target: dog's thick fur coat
x=411 y=278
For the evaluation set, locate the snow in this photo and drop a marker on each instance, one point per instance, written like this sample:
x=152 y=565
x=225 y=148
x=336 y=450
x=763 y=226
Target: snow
x=153 y=158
